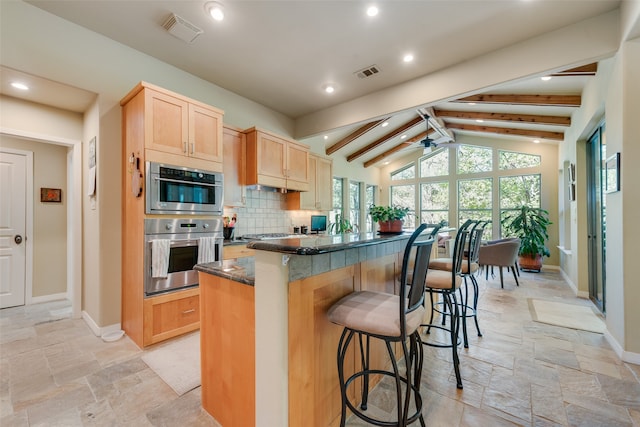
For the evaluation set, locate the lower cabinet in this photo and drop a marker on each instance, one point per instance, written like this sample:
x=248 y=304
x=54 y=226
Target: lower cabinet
x=170 y=315
x=236 y=251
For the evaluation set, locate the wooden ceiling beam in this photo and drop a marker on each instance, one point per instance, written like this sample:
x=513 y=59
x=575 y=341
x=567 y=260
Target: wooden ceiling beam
x=520 y=118
x=557 y=136
x=395 y=132
x=395 y=149
x=353 y=136
x=543 y=100
x=386 y=154
x=584 y=70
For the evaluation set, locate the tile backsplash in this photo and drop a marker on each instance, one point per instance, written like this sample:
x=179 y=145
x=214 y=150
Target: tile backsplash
x=265 y=213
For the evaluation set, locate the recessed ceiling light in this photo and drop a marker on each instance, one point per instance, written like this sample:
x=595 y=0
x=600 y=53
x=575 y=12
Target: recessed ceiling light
x=326 y=137
x=385 y=124
x=471 y=103
x=479 y=120
x=545 y=78
x=328 y=88
x=536 y=141
x=403 y=136
x=372 y=11
x=385 y=163
x=408 y=57
x=19 y=85
x=215 y=9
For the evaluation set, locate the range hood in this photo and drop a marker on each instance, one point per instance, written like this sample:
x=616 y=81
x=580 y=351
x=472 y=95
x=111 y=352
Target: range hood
x=261 y=187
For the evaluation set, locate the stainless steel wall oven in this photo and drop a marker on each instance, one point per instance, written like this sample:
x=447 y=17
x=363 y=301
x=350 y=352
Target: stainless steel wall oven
x=181 y=190
x=173 y=246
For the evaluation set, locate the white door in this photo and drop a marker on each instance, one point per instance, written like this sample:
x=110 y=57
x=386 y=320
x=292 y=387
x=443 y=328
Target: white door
x=13 y=179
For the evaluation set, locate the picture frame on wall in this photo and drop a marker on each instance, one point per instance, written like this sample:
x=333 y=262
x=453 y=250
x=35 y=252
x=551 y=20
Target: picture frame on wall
x=612 y=174
x=572 y=192
x=50 y=195
x=572 y=172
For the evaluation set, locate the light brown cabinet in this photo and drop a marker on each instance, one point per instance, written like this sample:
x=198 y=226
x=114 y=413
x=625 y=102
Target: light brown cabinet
x=180 y=131
x=235 y=153
x=319 y=196
x=162 y=126
x=237 y=251
x=170 y=315
x=276 y=162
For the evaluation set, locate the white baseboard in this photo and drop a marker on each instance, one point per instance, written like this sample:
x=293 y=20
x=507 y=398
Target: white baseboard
x=48 y=298
x=97 y=330
x=625 y=356
x=574 y=288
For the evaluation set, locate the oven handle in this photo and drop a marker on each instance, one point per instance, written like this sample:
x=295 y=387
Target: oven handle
x=187 y=182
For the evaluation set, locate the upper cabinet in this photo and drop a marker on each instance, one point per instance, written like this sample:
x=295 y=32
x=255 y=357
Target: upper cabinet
x=179 y=130
x=276 y=162
x=319 y=196
x=235 y=154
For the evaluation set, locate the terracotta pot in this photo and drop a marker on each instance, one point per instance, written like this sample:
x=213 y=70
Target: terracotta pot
x=393 y=226
x=529 y=262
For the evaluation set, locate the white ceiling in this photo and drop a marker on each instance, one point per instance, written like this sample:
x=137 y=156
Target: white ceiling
x=281 y=53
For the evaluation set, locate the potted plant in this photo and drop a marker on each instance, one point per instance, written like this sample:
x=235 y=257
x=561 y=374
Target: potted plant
x=530 y=225
x=342 y=225
x=389 y=218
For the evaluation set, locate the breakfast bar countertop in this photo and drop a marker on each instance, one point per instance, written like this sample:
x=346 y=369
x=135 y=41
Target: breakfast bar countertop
x=325 y=243
x=237 y=269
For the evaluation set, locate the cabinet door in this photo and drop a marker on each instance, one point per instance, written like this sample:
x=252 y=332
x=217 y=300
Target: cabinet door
x=308 y=199
x=297 y=167
x=166 y=120
x=324 y=183
x=205 y=134
x=272 y=156
x=233 y=168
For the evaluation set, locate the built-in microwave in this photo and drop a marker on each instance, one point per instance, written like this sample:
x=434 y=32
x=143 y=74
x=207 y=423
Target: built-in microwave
x=178 y=190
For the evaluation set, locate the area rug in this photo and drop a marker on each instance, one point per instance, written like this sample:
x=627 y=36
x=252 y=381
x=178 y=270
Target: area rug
x=566 y=315
x=177 y=362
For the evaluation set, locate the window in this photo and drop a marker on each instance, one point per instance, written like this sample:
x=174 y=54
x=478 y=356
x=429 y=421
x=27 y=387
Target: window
x=369 y=199
x=434 y=202
x=512 y=160
x=404 y=195
x=408 y=172
x=354 y=204
x=435 y=164
x=475 y=200
x=516 y=191
x=472 y=159
x=337 y=199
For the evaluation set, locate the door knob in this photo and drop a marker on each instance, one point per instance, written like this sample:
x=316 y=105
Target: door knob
x=17 y=239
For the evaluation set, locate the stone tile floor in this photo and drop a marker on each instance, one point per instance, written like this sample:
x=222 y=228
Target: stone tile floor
x=55 y=372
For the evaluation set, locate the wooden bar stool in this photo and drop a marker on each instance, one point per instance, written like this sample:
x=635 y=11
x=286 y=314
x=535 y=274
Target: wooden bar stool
x=392 y=319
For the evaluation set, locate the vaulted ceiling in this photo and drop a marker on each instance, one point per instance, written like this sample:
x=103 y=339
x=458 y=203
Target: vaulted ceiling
x=282 y=53
x=536 y=110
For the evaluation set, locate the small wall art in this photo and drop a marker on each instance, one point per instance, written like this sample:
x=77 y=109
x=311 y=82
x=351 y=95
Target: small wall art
x=50 y=195
x=612 y=174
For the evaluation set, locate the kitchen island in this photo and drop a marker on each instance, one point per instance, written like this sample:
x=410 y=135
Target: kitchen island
x=268 y=352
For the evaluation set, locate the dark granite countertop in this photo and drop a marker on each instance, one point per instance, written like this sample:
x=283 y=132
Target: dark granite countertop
x=237 y=269
x=314 y=245
x=234 y=242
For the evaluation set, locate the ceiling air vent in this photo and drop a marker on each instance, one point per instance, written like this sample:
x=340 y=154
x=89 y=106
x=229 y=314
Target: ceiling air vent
x=367 y=72
x=181 y=28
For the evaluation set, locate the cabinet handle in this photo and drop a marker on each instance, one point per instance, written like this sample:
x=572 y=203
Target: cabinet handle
x=193 y=310
x=185 y=147
x=193 y=147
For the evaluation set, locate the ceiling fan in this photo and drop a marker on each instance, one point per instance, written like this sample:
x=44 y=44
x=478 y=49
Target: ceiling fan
x=428 y=144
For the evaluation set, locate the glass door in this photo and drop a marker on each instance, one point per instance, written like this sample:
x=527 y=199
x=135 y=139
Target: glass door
x=596 y=216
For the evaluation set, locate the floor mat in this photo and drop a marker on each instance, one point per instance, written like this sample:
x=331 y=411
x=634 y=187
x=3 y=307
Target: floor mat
x=177 y=362
x=566 y=315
